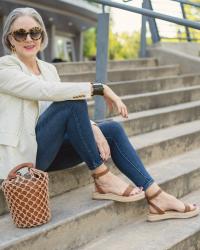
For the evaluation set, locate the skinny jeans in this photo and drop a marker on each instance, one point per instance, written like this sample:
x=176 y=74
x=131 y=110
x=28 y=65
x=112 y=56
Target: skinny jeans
x=65 y=138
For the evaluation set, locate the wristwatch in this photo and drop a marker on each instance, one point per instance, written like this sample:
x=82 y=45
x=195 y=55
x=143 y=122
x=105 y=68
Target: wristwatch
x=98 y=88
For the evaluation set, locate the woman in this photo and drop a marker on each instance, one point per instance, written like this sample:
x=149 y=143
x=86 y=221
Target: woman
x=46 y=122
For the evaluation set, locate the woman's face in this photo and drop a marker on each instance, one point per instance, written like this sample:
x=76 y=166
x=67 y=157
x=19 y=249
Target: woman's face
x=26 y=46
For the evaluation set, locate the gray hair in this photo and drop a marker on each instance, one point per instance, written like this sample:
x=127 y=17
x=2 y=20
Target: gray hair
x=18 y=12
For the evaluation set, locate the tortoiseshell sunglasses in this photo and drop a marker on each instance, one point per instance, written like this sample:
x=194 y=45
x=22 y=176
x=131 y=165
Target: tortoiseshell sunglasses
x=20 y=35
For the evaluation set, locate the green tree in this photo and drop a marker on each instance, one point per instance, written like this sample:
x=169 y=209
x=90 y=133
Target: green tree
x=114 y=46
x=124 y=45
x=121 y=46
x=89 y=50
x=192 y=13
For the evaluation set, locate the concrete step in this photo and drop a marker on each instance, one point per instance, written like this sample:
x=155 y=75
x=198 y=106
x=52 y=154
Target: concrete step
x=167 y=142
x=150 y=120
x=142 y=235
x=153 y=146
x=124 y=74
x=79 y=67
x=77 y=219
x=153 y=100
x=154 y=84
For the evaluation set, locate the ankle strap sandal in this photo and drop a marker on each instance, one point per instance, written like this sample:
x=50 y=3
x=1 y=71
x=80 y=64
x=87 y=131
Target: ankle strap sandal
x=169 y=214
x=99 y=194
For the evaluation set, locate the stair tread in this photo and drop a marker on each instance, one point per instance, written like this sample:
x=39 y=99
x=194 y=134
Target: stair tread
x=147 y=139
x=67 y=67
x=160 y=92
x=109 y=61
x=154 y=93
x=77 y=203
x=125 y=70
x=135 y=81
x=143 y=235
x=146 y=113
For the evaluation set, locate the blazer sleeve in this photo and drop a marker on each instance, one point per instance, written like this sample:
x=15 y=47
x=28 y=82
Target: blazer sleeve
x=15 y=82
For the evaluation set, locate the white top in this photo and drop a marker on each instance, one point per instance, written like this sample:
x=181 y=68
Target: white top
x=43 y=105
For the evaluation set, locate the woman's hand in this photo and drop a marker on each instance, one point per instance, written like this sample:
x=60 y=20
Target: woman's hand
x=114 y=101
x=102 y=143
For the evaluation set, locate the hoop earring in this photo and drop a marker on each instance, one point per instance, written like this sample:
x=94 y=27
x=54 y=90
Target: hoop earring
x=13 y=49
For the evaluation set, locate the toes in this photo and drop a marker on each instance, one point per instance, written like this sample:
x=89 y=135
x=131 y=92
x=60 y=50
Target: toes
x=194 y=206
x=136 y=191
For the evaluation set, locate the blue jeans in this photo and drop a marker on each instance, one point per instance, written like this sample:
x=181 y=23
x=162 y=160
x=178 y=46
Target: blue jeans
x=65 y=138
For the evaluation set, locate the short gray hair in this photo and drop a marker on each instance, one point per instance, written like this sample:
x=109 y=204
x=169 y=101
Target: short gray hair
x=18 y=12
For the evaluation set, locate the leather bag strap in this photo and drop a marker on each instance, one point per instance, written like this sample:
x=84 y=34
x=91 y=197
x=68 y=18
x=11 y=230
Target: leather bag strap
x=13 y=173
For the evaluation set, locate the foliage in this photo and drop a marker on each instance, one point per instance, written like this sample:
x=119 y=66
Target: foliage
x=192 y=13
x=121 y=46
x=124 y=45
x=89 y=50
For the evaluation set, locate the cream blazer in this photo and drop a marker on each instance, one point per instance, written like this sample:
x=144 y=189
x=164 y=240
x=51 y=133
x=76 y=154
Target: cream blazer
x=20 y=93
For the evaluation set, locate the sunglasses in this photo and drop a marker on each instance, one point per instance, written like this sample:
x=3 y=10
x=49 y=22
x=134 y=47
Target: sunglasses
x=20 y=35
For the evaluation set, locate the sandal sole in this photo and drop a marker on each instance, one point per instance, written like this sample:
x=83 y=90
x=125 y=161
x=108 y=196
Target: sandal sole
x=119 y=198
x=173 y=215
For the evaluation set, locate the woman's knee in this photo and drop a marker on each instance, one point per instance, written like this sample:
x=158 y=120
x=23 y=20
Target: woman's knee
x=111 y=128
x=115 y=126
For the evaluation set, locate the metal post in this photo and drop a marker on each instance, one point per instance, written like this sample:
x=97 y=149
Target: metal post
x=50 y=50
x=2 y=20
x=186 y=28
x=52 y=37
x=152 y=24
x=101 y=62
x=78 y=44
x=143 y=33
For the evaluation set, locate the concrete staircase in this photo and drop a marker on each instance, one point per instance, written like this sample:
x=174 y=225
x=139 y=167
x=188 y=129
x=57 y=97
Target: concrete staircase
x=164 y=127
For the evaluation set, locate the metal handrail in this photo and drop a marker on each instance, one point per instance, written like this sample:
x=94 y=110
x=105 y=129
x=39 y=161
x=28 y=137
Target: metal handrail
x=187 y=3
x=102 y=38
x=182 y=5
x=150 y=13
x=179 y=1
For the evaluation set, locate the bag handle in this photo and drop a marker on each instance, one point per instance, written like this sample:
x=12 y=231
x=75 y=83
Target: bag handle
x=13 y=173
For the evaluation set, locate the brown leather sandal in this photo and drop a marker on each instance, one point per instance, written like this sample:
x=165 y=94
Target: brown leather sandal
x=99 y=194
x=169 y=214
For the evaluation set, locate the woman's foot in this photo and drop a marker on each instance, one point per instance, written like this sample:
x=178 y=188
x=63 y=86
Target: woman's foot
x=168 y=202
x=165 y=206
x=111 y=183
x=110 y=186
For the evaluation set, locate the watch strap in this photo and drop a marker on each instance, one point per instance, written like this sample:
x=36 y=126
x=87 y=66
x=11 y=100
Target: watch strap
x=98 y=88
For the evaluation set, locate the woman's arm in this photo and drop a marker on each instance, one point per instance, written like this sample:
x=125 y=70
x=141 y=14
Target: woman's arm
x=17 y=83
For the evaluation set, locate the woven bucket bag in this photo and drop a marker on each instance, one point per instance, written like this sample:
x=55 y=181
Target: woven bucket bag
x=27 y=196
